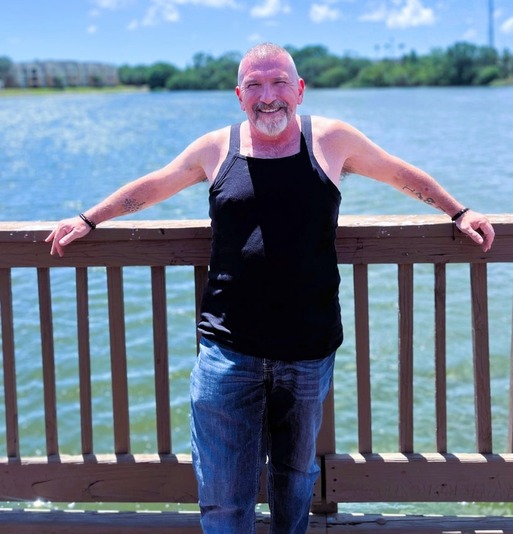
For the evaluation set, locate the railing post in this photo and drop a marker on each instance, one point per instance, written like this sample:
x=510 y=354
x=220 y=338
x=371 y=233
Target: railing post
x=480 y=338
x=326 y=445
x=510 y=420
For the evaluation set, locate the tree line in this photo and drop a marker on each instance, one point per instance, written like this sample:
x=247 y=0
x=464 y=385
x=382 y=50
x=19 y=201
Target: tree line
x=461 y=64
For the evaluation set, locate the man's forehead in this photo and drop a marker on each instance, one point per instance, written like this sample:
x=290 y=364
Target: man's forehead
x=267 y=68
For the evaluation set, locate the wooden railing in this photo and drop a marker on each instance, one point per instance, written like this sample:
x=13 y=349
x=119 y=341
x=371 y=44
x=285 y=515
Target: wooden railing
x=366 y=475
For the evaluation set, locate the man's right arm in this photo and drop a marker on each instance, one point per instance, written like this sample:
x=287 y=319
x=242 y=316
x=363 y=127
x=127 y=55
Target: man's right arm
x=185 y=170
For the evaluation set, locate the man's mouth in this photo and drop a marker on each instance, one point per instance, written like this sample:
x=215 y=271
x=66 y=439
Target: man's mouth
x=269 y=109
x=274 y=110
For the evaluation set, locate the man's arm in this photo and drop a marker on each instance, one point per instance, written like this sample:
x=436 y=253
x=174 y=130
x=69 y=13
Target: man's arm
x=368 y=159
x=185 y=170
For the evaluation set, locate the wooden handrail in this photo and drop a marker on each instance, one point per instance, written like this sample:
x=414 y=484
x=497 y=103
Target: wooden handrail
x=163 y=476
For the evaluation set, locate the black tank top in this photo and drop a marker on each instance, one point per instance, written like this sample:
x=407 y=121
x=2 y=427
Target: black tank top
x=273 y=280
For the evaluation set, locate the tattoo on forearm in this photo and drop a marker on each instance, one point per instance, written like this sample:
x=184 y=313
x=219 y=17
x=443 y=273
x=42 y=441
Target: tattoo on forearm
x=131 y=205
x=427 y=200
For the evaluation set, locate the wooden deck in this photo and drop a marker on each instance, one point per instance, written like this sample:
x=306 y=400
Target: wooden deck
x=367 y=475
x=19 y=522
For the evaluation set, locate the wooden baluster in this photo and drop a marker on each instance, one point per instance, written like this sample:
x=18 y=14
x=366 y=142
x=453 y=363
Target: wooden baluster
x=118 y=361
x=510 y=418
x=480 y=337
x=440 y=357
x=405 y=358
x=361 y=305
x=9 y=365
x=48 y=353
x=84 y=359
x=161 y=359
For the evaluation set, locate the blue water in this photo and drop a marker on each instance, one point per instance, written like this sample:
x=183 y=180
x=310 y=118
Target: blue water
x=59 y=154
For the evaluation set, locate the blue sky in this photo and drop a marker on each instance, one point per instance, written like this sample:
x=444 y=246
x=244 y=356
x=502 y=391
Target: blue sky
x=146 y=31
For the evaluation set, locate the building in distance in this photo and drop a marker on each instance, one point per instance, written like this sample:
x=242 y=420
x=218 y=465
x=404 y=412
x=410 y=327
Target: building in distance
x=60 y=74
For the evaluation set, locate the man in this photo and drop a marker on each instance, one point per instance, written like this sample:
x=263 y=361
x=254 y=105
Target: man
x=270 y=318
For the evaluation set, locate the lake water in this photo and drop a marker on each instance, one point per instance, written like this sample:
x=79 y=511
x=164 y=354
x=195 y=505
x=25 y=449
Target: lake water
x=61 y=153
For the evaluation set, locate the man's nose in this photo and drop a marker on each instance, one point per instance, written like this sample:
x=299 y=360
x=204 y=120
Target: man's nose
x=267 y=95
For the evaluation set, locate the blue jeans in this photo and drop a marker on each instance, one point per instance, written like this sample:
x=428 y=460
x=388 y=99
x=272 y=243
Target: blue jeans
x=247 y=409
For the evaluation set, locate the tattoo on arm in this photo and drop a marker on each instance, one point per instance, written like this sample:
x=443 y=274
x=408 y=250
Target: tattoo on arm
x=427 y=200
x=131 y=205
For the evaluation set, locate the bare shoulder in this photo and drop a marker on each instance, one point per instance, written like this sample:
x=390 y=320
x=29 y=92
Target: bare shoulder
x=333 y=131
x=333 y=144
x=211 y=142
x=209 y=150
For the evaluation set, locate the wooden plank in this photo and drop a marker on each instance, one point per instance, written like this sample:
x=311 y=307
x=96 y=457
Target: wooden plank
x=9 y=366
x=121 y=478
x=440 y=357
x=326 y=444
x=84 y=360
x=59 y=522
x=480 y=335
x=509 y=445
x=383 y=239
x=381 y=226
x=48 y=356
x=404 y=524
x=62 y=522
x=118 y=360
x=161 y=359
x=420 y=477
x=363 y=377
x=405 y=273
x=350 y=250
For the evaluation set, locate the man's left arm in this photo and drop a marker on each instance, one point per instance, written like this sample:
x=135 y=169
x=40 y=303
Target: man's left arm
x=368 y=159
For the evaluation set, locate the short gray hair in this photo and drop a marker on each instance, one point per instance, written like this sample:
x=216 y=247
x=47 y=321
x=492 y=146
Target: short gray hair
x=265 y=50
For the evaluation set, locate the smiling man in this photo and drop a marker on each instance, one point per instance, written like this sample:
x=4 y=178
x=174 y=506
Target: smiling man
x=270 y=317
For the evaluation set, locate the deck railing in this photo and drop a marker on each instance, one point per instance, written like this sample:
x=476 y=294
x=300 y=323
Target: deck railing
x=365 y=475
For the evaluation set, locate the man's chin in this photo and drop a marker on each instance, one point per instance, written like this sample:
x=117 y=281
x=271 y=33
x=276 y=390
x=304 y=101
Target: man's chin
x=271 y=127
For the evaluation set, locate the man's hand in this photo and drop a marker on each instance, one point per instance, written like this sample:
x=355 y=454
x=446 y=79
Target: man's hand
x=478 y=228
x=66 y=231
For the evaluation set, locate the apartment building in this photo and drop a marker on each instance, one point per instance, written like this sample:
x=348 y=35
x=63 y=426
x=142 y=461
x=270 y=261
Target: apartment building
x=61 y=74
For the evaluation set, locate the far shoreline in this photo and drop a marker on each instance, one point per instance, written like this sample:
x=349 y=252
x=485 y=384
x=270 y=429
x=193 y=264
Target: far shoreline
x=40 y=91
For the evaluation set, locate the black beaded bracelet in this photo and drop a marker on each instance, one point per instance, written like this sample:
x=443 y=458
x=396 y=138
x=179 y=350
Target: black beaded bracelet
x=87 y=221
x=459 y=214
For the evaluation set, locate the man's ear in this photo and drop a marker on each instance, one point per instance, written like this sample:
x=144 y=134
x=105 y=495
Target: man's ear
x=237 y=92
x=301 y=90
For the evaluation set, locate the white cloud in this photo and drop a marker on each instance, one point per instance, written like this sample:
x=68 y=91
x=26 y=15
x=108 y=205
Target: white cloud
x=207 y=3
x=270 y=8
x=470 y=34
x=255 y=38
x=111 y=4
x=323 y=12
x=407 y=14
x=378 y=14
x=160 y=11
x=507 y=26
x=92 y=29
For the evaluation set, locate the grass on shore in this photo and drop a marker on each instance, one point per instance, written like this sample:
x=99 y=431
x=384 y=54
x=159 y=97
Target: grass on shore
x=70 y=90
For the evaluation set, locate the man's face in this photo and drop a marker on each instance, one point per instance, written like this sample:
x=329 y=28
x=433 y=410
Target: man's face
x=269 y=93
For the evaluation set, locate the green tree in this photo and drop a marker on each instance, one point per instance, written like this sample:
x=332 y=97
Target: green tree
x=159 y=73
x=134 y=75
x=460 y=64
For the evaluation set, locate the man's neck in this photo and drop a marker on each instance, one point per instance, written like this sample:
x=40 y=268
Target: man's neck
x=258 y=145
